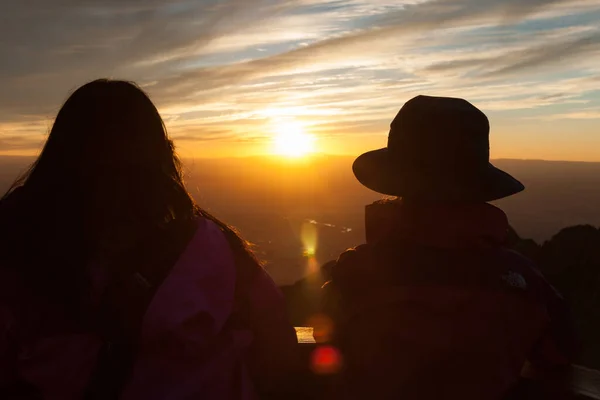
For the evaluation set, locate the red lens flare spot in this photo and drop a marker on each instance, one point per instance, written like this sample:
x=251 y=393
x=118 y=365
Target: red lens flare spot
x=322 y=327
x=326 y=360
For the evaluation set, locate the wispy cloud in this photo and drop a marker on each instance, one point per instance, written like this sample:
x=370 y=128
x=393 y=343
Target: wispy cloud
x=11 y=143
x=583 y=114
x=223 y=71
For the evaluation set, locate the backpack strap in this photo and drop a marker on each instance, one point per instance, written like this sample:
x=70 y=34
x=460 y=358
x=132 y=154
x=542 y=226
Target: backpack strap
x=116 y=356
x=136 y=277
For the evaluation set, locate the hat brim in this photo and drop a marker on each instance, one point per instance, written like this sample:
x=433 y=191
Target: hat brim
x=377 y=171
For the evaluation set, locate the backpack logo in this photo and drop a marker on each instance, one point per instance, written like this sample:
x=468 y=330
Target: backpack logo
x=515 y=280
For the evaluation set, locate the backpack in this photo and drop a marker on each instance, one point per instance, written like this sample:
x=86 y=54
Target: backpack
x=378 y=291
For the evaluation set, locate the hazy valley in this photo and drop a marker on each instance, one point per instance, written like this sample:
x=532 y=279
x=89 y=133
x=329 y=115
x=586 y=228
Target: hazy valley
x=286 y=207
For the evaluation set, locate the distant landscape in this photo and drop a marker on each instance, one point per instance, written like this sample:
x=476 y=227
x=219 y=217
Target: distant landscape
x=271 y=201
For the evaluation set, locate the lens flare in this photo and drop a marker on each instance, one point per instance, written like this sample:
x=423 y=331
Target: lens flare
x=309 y=252
x=309 y=237
x=322 y=327
x=326 y=360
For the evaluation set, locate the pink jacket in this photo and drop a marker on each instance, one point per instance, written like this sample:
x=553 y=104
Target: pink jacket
x=185 y=350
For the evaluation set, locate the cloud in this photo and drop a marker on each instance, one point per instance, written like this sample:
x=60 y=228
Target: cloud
x=562 y=52
x=19 y=142
x=49 y=47
x=584 y=114
x=532 y=58
x=359 y=49
x=223 y=70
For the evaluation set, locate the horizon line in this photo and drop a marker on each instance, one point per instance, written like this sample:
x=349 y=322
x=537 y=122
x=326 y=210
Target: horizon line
x=316 y=155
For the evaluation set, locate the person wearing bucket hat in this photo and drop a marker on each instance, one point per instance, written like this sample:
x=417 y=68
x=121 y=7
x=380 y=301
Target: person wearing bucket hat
x=434 y=305
x=438 y=150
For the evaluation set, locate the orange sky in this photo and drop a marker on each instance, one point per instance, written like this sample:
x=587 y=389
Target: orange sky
x=548 y=140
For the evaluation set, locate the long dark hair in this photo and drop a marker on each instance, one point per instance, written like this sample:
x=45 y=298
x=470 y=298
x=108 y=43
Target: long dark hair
x=107 y=175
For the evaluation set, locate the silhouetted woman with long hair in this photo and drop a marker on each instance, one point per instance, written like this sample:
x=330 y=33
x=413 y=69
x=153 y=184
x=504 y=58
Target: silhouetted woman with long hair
x=114 y=283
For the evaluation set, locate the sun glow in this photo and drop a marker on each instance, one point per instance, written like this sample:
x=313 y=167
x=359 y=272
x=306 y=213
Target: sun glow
x=291 y=140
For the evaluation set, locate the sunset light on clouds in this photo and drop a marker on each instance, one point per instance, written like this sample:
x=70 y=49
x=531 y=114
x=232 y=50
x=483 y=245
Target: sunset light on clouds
x=224 y=73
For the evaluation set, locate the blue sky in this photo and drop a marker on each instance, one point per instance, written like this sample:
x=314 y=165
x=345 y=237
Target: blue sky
x=228 y=75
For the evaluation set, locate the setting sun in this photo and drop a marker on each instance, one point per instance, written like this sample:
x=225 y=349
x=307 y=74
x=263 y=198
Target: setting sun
x=292 y=141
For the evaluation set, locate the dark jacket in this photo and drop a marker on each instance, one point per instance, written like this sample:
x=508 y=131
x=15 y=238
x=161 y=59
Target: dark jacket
x=438 y=309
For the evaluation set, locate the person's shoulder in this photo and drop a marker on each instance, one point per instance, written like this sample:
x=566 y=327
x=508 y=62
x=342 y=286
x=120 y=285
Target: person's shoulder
x=353 y=257
x=514 y=260
x=208 y=246
x=516 y=257
x=354 y=254
x=353 y=264
x=209 y=232
x=526 y=271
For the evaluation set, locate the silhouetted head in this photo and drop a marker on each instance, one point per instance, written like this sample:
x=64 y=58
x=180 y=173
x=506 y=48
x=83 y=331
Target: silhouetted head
x=106 y=178
x=108 y=160
x=108 y=124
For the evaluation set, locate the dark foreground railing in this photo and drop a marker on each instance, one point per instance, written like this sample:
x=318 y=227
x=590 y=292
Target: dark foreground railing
x=585 y=382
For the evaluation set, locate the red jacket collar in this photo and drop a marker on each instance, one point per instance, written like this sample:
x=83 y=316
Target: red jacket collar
x=444 y=226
